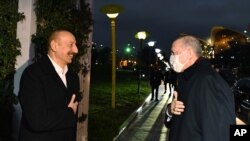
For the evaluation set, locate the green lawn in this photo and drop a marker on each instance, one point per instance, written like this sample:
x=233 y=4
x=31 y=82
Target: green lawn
x=104 y=121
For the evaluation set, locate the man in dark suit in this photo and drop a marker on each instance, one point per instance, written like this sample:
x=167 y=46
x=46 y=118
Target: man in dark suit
x=48 y=93
x=203 y=105
x=155 y=81
x=170 y=78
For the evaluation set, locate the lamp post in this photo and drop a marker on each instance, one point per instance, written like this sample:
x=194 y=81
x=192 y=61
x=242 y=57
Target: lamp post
x=159 y=55
x=141 y=36
x=151 y=43
x=112 y=11
x=151 y=51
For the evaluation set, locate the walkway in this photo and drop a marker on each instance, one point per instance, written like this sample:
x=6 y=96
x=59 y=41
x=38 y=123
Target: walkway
x=146 y=124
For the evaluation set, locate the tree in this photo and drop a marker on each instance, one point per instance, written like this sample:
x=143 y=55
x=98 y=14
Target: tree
x=9 y=50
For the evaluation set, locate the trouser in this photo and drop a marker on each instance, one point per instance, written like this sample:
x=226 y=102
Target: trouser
x=154 y=92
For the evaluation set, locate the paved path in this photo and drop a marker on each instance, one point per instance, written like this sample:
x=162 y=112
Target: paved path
x=146 y=124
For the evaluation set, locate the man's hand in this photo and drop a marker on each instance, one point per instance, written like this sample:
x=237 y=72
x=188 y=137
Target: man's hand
x=176 y=107
x=73 y=104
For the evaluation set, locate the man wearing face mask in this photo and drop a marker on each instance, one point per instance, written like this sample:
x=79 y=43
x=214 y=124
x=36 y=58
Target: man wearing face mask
x=203 y=105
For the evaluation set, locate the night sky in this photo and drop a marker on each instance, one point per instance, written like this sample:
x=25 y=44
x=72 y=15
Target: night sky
x=164 y=20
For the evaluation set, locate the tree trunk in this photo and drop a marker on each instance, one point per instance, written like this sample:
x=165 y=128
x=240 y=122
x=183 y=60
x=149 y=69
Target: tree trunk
x=82 y=127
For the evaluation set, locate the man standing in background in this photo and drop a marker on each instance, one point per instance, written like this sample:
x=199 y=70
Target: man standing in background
x=155 y=82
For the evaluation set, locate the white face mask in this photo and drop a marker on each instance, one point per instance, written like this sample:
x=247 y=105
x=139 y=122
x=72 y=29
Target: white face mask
x=175 y=63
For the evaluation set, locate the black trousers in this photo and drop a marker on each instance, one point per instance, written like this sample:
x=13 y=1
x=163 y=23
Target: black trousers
x=154 y=92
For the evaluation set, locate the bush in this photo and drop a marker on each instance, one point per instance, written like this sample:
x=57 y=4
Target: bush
x=9 y=50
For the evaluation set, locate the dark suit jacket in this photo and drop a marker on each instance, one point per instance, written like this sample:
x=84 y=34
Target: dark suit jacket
x=44 y=101
x=155 y=78
x=209 y=106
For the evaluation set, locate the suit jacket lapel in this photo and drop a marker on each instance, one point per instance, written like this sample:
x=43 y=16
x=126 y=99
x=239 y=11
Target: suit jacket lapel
x=71 y=82
x=50 y=70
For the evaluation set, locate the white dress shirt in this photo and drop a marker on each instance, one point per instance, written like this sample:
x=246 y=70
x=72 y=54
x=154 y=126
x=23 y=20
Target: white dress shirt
x=60 y=71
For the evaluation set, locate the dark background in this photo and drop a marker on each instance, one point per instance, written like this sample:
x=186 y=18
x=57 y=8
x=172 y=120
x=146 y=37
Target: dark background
x=166 y=19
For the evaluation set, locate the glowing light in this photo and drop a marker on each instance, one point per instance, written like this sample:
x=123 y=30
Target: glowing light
x=113 y=15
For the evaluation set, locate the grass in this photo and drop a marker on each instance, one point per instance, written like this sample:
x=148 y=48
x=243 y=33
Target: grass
x=104 y=121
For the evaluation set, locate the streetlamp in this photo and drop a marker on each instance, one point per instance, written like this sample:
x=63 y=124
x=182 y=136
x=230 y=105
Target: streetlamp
x=112 y=11
x=141 y=36
x=151 y=51
x=159 y=55
x=151 y=43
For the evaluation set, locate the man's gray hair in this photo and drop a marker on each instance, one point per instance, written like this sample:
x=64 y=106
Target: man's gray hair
x=194 y=43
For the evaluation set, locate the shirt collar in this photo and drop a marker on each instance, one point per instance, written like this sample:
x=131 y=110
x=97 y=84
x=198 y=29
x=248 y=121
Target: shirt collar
x=58 y=69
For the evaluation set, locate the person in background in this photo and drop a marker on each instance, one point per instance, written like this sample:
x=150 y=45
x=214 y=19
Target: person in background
x=48 y=91
x=165 y=80
x=172 y=80
x=155 y=81
x=203 y=105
